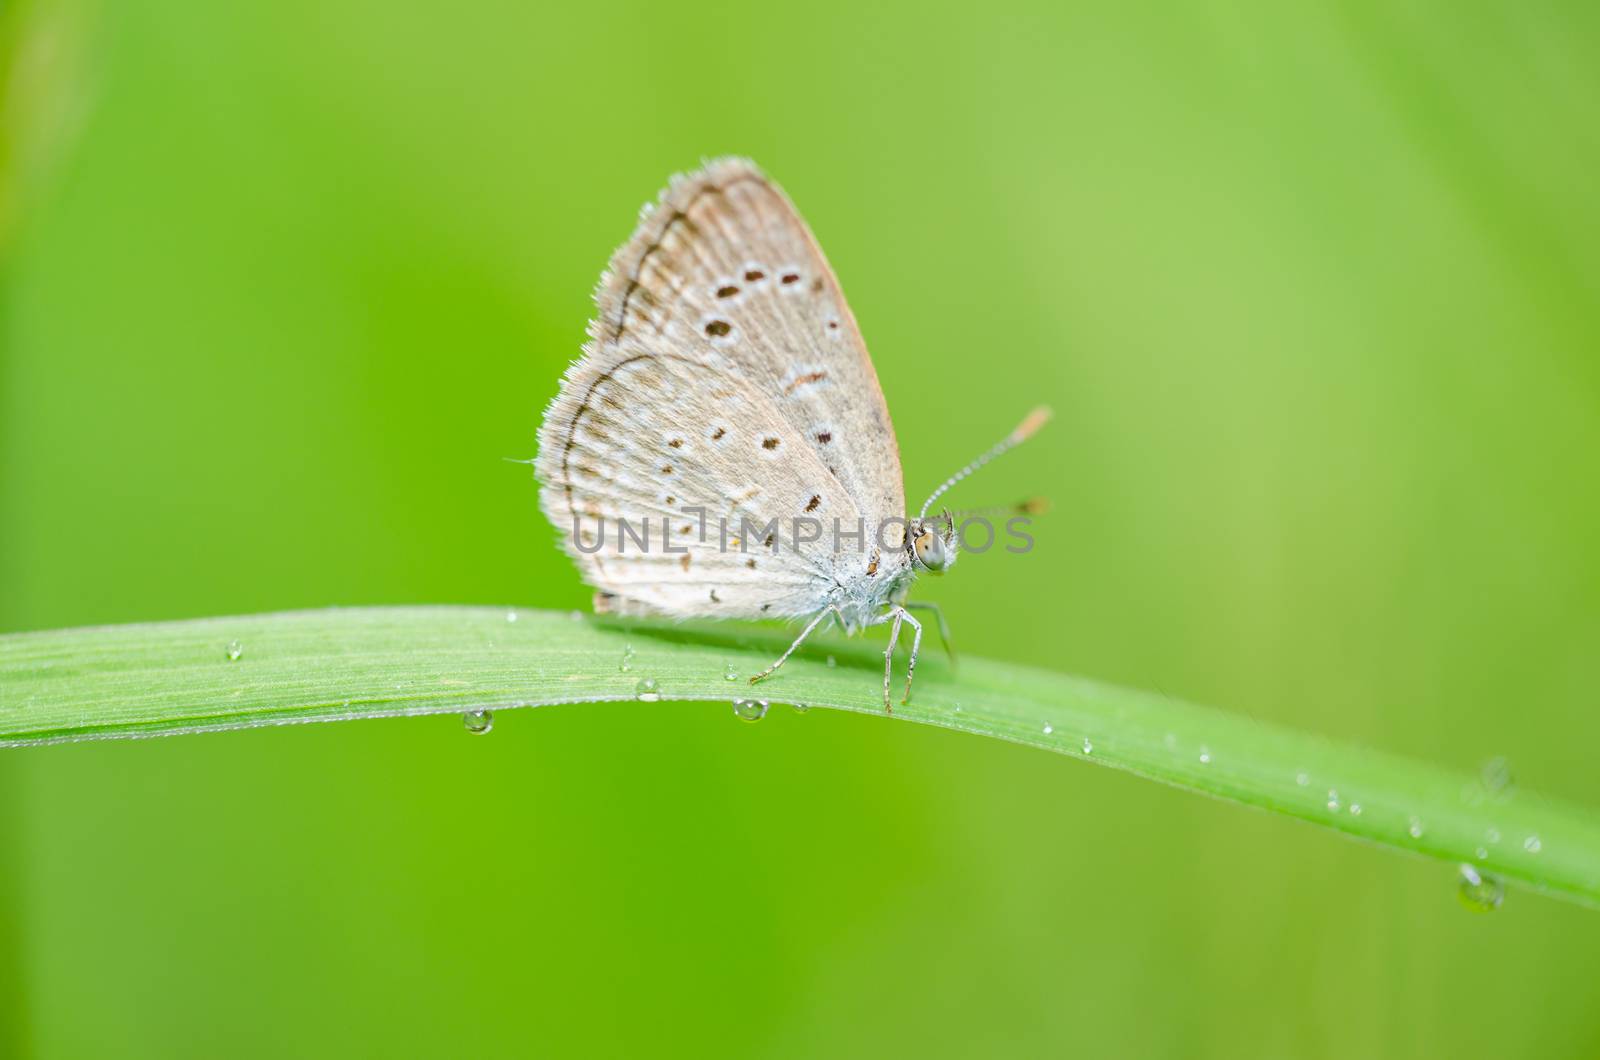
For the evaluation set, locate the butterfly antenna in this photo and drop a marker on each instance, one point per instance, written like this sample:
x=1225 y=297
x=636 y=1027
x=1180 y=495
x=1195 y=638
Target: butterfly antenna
x=1025 y=430
x=1030 y=506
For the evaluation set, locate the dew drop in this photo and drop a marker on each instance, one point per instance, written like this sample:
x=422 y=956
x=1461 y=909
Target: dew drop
x=1088 y=746
x=749 y=709
x=1205 y=756
x=1302 y=779
x=511 y=616
x=730 y=673
x=478 y=722
x=957 y=708
x=1483 y=853
x=1479 y=891
x=627 y=659
x=1492 y=835
x=648 y=690
x=1415 y=828
x=1532 y=844
x=1170 y=740
x=1355 y=809
x=1048 y=728
x=576 y=616
x=1496 y=778
x=832 y=662
x=1333 y=800
x=235 y=650
x=801 y=708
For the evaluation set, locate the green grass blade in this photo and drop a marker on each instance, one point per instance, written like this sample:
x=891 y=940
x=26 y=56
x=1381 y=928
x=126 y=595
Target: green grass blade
x=177 y=677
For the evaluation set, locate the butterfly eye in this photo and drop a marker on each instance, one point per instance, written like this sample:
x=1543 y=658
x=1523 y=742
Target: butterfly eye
x=931 y=552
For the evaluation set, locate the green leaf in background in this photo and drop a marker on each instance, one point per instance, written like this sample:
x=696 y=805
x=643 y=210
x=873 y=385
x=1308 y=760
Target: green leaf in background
x=1311 y=288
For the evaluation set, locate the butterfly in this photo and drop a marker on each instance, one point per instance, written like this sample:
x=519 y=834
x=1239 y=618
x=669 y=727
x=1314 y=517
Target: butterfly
x=722 y=448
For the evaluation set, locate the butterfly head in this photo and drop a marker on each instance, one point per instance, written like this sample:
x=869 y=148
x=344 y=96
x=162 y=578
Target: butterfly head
x=933 y=548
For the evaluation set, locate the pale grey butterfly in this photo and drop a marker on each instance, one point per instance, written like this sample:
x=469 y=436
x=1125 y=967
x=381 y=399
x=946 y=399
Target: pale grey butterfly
x=722 y=448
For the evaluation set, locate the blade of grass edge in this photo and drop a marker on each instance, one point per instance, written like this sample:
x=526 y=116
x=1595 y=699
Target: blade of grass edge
x=340 y=664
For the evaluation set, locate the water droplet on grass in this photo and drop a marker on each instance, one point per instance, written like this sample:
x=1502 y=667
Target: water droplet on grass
x=1479 y=891
x=749 y=709
x=1532 y=844
x=1333 y=800
x=1302 y=779
x=801 y=708
x=478 y=722
x=1492 y=835
x=1355 y=809
x=627 y=659
x=1205 y=756
x=832 y=662
x=1088 y=746
x=511 y=616
x=730 y=673
x=235 y=650
x=1048 y=728
x=647 y=689
x=1495 y=782
x=1415 y=828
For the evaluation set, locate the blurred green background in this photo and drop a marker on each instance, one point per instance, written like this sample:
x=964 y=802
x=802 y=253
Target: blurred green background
x=1312 y=288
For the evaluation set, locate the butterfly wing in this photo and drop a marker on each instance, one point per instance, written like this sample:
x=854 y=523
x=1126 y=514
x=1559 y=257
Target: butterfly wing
x=725 y=268
x=705 y=470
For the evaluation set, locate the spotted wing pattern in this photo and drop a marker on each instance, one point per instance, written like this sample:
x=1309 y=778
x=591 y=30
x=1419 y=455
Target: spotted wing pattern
x=724 y=266
x=682 y=491
x=725 y=386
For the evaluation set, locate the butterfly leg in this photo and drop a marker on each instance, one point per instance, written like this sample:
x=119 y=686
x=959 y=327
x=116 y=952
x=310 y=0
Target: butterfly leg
x=894 y=619
x=916 y=646
x=944 y=627
x=831 y=609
